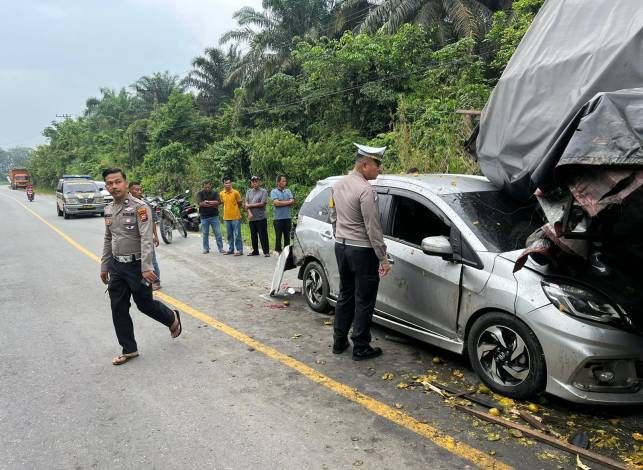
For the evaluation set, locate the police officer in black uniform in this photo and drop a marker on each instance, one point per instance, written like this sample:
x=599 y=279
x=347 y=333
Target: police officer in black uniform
x=126 y=265
x=360 y=252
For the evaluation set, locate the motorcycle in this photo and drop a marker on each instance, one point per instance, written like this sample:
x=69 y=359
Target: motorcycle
x=170 y=218
x=30 y=194
x=189 y=213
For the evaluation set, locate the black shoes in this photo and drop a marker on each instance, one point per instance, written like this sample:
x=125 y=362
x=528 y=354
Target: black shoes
x=366 y=353
x=340 y=346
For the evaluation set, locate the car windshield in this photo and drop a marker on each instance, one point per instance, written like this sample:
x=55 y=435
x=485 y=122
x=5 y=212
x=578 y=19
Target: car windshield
x=80 y=188
x=499 y=222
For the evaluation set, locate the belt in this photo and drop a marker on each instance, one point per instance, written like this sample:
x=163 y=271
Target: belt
x=127 y=258
x=360 y=243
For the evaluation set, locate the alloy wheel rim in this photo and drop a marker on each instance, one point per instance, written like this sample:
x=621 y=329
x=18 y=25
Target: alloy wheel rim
x=314 y=287
x=503 y=355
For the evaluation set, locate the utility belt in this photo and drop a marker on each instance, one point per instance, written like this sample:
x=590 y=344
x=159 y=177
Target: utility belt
x=349 y=242
x=127 y=258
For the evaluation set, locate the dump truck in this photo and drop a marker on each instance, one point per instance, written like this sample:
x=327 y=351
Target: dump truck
x=19 y=178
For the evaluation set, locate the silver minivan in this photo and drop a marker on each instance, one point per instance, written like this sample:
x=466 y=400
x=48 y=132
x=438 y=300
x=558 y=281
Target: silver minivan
x=78 y=194
x=454 y=241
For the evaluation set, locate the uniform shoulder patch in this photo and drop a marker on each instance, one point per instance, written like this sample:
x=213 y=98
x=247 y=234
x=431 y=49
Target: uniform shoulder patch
x=142 y=213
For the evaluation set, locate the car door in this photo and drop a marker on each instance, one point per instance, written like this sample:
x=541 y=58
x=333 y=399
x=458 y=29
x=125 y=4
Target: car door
x=420 y=290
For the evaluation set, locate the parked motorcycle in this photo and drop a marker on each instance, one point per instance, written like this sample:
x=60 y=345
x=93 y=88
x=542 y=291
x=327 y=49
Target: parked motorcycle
x=189 y=213
x=170 y=218
x=30 y=194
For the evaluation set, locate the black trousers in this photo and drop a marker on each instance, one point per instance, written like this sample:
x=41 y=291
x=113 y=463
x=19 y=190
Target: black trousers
x=259 y=229
x=125 y=280
x=282 y=228
x=358 y=283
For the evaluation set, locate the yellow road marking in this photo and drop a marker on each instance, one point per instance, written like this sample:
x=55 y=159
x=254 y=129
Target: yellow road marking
x=481 y=459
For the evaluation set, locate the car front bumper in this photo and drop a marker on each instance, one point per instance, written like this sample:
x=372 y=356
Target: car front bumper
x=575 y=350
x=93 y=208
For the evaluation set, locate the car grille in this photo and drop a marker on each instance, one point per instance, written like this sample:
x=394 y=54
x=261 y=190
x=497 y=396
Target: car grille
x=85 y=200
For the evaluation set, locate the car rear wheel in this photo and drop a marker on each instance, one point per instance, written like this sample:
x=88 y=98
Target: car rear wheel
x=316 y=287
x=507 y=356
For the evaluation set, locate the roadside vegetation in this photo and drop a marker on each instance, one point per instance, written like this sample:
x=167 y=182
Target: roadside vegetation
x=314 y=76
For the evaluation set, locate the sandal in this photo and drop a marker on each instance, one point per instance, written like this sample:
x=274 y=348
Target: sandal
x=123 y=358
x=175 y=331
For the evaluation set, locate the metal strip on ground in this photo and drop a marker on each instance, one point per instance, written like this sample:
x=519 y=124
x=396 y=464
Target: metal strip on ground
x=460 y=449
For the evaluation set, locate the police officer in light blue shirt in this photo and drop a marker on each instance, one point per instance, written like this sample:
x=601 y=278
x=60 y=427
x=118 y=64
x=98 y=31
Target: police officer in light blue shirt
x=282 y=200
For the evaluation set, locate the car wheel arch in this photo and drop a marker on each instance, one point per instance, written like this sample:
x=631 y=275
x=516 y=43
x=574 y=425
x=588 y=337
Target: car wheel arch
x=307 y=260
x=474 y=317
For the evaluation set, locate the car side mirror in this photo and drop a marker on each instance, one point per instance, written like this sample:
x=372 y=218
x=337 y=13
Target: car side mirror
x=437 y=246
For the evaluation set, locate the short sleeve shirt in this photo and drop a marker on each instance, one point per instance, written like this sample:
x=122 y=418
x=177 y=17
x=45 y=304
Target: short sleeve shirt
x=203 y=196
x=255 y=196
x=285 y=211
x=230 y=200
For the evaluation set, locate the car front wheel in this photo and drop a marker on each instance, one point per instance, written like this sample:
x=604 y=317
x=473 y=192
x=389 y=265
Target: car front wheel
x=316 y=287
x=507 y=356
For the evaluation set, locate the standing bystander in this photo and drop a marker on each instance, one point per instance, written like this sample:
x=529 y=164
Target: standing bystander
x=208 y=202
x=256 y=198
x=232 y=202
x=126 y=265
x=360 y=252
x=282 y=200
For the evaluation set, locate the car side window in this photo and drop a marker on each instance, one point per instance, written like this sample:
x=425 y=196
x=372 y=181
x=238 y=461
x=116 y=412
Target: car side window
x=413 y=221
x=318 y=207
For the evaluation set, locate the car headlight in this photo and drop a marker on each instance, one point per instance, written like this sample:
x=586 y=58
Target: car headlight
x=585 y=303
x=71 y=200
x=98 y=200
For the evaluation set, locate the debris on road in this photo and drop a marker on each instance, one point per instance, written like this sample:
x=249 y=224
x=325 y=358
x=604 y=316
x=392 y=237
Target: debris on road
x=546 y=439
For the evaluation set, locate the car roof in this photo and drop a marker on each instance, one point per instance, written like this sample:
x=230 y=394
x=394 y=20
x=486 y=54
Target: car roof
x=440 y=184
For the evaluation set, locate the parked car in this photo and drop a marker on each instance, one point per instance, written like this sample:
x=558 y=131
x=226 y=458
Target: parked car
x=454 y=241
x=78 y=194
x=103 y=192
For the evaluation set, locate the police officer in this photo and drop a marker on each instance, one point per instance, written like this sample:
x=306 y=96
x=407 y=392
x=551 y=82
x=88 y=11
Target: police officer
x=360 y=252
x=126 y=266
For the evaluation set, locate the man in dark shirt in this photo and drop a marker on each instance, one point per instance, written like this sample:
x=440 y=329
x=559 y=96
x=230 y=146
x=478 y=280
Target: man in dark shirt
x=208 y=202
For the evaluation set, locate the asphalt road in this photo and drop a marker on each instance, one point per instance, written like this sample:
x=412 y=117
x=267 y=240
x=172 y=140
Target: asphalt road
x=250 y=383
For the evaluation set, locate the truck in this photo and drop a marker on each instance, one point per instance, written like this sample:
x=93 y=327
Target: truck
x=19 y=178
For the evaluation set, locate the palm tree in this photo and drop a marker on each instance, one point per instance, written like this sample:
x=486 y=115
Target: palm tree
x=209 y=77
x=270 y=36
x=348 y=15
x=448 y=18
x=157 y=89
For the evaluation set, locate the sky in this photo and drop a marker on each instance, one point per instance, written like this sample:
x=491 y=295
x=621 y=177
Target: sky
x=54 y=54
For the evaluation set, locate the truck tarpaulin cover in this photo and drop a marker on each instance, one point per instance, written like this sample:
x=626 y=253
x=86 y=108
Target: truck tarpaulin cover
x=574 y=52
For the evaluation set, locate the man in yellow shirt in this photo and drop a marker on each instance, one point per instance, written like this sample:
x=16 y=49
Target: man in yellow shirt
x=231 y=200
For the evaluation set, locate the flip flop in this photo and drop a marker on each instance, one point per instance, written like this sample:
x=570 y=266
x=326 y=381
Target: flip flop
x=176 y=332
x=123 y=358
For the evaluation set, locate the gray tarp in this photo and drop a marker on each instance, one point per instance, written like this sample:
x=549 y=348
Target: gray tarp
x=573 y=50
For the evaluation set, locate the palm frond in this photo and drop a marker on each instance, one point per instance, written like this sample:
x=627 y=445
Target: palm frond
x=462 y=14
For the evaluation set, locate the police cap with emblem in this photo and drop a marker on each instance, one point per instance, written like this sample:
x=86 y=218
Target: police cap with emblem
x=376 y=153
